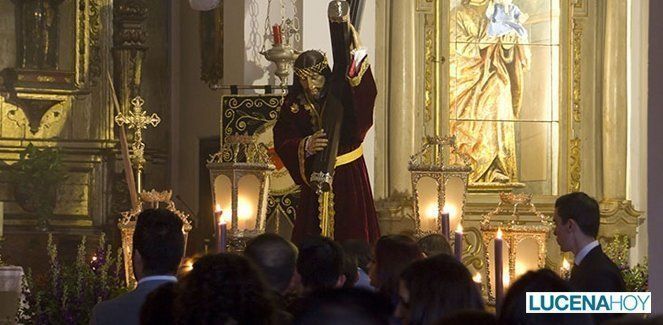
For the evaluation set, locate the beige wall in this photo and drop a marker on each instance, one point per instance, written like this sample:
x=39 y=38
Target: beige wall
x=197 y=112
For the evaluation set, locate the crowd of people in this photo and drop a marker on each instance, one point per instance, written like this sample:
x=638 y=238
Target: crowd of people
x=320 y=281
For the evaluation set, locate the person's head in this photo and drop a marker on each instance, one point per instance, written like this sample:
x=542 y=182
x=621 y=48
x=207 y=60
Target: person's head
x=435 y=287
x=344 y=306
x=393 y=253
x=275 y=257
x=311 y=74
x=577 y=217
x=465 y=317
x=158 y=243
x=320 y=264
x=159 y=305
x=224 y=289
x=434 y=244
x=360 y=249
x=543 y=280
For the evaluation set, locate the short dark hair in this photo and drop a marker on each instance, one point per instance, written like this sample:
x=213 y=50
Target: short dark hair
x=393 y=253
x=223 y=289
x=159 y=239
x=434 y=244
x=320 y=262
x=583 y=209
x=438 y=286
x=344 y=306
x=275 y=257
x=543 y=280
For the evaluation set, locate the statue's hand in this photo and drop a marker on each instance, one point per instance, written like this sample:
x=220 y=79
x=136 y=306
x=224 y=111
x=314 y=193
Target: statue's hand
x=316 y=142
x=509 y=40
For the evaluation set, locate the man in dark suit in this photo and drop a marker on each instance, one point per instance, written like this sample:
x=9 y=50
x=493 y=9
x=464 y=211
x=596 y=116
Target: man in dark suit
x=577 y=219
x=158 y=248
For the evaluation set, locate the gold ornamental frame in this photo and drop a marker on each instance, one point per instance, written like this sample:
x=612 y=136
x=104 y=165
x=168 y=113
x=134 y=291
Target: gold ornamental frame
x=430 y=162
x=127 y=224
x=514 y=231
x=434 y=43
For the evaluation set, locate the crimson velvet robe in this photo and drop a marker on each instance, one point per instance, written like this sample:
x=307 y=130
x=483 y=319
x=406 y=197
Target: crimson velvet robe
x=355 y=216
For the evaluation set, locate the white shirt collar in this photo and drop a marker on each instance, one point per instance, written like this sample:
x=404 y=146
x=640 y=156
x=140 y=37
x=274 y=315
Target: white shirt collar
x=584 y=251
x=169 y=278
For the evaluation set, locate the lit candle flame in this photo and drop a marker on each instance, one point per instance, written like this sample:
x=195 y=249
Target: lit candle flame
x=506 y=280
x=459 y=228
x=431 y=211
x=566 y=266
x=218 y=212
x=449 y=209
x=188 y=266
x=477 y=277
x=499 y=233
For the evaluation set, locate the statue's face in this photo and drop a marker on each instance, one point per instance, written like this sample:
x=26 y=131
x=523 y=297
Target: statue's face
x=313 y=84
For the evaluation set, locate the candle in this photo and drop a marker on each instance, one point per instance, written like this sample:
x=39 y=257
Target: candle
x=477 y=280
x=458 y=243
x=276 y=33
x=445 y=225
x=499 y=267
x=221 y=230
x=499 y=284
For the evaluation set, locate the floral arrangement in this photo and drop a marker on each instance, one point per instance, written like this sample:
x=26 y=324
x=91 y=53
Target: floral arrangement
x=636 y=277
x=68 y=294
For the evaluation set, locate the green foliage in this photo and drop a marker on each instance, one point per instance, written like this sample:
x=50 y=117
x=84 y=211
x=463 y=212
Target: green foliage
x=636 y=277
x=35 y=178
x=69 y=293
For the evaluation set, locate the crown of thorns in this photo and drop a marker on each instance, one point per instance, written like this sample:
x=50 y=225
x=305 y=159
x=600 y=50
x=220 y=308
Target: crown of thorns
x=314 y=69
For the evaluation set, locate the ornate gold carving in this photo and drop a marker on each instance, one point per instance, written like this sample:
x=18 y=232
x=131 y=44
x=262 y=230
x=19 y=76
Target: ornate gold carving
x=574 y=165
x=576 y=70
x=429 y=64
x=619 y=217
x=574 y=149
x=95 y=59
x=127 y=225
x=138 y=120
x=242 y=149
x=398 y=206
x=429 y=162
x=514 y=207
x=578 y=4
x=472 y=253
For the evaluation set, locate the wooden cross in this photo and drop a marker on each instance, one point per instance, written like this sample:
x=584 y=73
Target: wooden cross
x=138 y=119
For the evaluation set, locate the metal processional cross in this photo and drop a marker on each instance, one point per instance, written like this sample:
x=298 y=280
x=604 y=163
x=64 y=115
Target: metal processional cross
x=138 y=119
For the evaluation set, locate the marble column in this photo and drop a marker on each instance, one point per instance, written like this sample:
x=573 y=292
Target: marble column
x=401 y=94
x=614 y=119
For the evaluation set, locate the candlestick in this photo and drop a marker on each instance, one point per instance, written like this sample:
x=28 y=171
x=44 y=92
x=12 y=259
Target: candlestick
x=499 y=284
x=221 y=230
x=276 y=33
x=458 y=243
x=445 y=225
